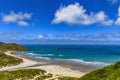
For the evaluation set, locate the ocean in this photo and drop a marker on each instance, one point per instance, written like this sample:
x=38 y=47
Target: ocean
x=94 y=55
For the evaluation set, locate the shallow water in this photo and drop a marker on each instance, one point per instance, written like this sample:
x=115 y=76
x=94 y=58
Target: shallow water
x=88 y=55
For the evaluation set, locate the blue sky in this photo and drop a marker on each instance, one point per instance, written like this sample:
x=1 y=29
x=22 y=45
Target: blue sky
x=60 y=21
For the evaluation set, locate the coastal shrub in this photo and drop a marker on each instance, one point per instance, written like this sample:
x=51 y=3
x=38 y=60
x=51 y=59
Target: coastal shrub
x=11 y=46
x=111 y=72
x=23 y=74
x=6 y=60
x=117 y=65
x=49 y=75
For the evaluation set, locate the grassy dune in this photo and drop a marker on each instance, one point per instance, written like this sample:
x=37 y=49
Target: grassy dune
x=6 y=60
x=25 y=74
x=11 y=46
x=111 y=72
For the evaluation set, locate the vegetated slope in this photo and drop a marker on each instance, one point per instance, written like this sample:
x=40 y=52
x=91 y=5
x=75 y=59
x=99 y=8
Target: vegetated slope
x=6 y=60
x=24 y=74
x=111 y=72
x=11 y=46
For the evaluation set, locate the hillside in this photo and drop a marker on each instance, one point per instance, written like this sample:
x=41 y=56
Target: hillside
x=111 y=72
x=11 y=46
x=25 y=74
x=6 y=60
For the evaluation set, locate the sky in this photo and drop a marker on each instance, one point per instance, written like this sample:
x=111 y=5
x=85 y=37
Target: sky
x=60 y=21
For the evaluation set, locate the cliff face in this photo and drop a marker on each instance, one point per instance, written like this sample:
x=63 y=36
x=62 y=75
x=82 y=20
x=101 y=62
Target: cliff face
x=11 y=46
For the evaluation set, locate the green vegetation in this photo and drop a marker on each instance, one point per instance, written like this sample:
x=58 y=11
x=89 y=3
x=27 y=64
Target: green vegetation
x=24 y=74
x=111 y=72
x=11 y=46
x=49 y=75
x=6 y=60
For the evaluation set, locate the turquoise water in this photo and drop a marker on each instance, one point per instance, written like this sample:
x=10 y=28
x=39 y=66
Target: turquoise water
x=95 y=55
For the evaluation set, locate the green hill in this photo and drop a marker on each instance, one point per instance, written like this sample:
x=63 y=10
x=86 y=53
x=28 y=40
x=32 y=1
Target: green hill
x=6 y=60
x=11 y=46
x=22 y=74
x=25 y=74
x=111 y=72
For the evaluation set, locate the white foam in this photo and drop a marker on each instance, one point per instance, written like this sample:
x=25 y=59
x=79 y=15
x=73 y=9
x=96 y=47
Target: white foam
x=60 y=55
x=46 y=58
x=31 y=53
x=47 y=54
x=94 y=63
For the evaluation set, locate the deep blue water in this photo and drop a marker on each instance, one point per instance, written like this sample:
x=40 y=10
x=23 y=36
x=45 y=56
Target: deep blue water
x=85 y=54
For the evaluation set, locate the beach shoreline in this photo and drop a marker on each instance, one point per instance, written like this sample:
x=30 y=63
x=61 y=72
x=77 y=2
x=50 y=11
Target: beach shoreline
x=50 y=68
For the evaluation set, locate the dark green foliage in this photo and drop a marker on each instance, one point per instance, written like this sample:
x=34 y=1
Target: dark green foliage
x=24 y=74
x=6 y=60
x=117 y=65
x=11 y=47
x=111 y=72
x=44 y=77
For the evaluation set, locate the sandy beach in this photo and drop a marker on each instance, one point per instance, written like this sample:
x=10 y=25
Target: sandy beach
x=53 y=69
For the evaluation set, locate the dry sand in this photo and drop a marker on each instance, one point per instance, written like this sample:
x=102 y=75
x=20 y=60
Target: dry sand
x=53 y=69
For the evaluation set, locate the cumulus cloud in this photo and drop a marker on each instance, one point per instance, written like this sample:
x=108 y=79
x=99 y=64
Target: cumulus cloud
x=23 y=23
x=18 y=18
x=76 y=14
x=117 y=22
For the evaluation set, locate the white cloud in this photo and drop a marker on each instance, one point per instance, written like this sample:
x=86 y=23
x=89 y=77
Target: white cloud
x=113 y=1
x=117 y=22
x=19 y=18
x=119 y=11
x=76 y=14
x=22 y=23
x=51 y=35
x=40 y=36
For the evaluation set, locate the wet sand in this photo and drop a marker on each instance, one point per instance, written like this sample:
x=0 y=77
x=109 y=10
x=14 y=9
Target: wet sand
x=54 y=67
